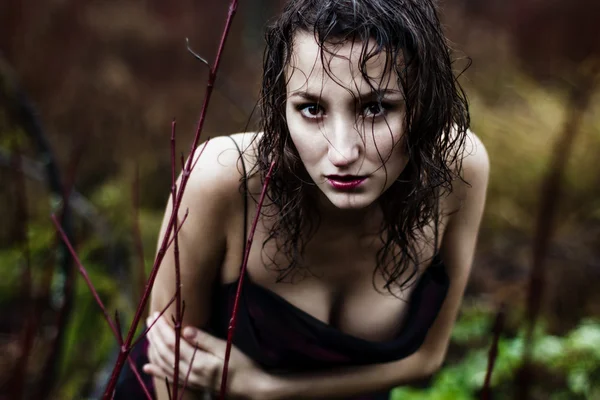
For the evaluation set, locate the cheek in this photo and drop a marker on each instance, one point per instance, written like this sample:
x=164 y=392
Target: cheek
x=387 y=144
x=304 y=147
x=302 y=143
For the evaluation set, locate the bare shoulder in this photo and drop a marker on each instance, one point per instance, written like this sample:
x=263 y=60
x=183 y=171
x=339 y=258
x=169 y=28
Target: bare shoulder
x=469 y=191
x=476 y=162
x=218 y=168
x=209 y=207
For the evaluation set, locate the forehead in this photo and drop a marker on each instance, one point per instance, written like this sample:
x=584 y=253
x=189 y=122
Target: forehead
x=351 y=65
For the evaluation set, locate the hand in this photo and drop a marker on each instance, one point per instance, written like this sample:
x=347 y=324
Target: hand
x=203 y=356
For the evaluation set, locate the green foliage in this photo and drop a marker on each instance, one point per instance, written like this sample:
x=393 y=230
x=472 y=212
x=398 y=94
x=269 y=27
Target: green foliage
x=574 y=359
x=40 y=238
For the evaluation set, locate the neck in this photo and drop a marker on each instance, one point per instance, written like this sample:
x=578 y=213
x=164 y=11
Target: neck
x=366 y=220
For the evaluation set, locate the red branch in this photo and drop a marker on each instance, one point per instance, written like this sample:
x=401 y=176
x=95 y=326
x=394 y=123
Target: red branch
x=187 y=375
x=179 y=228
x=232 y=322
x=132 y=365
x=113 y=325
x=86 y=277
x=108 y=393
x=212 y=76
x=178 y=314
x=135 y=343
x=57 y=344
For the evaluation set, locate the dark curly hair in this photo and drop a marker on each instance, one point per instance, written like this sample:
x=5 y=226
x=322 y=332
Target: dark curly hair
x=408 y=32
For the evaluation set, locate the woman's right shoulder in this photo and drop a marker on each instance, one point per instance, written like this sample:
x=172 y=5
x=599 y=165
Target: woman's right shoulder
x=208 y=212
x=217 y=170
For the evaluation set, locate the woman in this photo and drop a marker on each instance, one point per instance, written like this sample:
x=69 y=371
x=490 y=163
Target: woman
x=366 y=239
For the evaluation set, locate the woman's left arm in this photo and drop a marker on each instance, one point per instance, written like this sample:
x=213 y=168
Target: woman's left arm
x=458 y=247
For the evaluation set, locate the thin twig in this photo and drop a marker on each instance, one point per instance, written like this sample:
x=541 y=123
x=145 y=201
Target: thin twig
x=114 y=325
x=185 y=170
x=233 y=320
x=178 y=315
x=184 y=178
x=160 y=314
x=130 y=361
x=187 y=375
x=85 y=275
x=192 y=52
x=187 y=211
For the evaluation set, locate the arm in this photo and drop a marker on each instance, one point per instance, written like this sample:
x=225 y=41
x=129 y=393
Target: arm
x=208 y=197
x=458 y=247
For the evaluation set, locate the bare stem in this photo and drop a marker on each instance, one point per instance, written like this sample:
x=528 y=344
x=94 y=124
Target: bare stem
x=232 y=322
x=114 y=325
x=160 y=314
x=138 y=377
x=187 y=375
x=70 y=278
x=213 y=75
x=178 y=317
x=86 y=277
x=184 y=178
x=179 y=227
x=132 y=365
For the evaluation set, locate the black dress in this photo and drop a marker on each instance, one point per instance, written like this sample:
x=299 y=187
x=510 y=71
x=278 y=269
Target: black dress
x=282 y=338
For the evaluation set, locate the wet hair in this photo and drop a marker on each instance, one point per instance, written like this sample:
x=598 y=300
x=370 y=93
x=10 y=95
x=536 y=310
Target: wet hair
x=436 y=120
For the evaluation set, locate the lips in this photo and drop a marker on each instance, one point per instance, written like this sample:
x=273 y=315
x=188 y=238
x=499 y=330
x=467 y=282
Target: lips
x=345 y=178
x=345 y=182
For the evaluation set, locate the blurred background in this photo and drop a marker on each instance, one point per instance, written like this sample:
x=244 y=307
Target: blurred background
x=87 y=94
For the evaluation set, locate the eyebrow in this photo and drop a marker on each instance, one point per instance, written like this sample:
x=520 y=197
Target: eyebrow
x=366 y=96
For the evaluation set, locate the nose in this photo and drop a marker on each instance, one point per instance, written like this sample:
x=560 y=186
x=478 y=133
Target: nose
x=345 y=143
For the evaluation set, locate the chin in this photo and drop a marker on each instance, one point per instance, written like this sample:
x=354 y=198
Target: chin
x=350 y=201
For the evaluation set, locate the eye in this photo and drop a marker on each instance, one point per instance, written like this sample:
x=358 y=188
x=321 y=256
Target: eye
x=312 y=111
x=373 y=110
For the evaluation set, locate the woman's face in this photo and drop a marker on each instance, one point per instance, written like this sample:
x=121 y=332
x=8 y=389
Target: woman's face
x=349 y=142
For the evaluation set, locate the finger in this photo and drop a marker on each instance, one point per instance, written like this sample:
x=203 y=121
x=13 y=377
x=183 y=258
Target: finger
x=159 y=362
x=205 y=341
x=154 y=370
x=166 y=333
x=202 y=367
x=162 y=356
x=204 y=371
x=192 y=380
x=186 y=350
x=157 y=372
x=151 y=333
x=162 y=336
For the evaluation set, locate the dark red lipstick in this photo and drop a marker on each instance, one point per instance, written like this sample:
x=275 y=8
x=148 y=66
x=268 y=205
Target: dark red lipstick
x=345 y=182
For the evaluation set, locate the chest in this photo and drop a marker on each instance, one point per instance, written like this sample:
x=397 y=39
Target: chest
x=335 y=283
